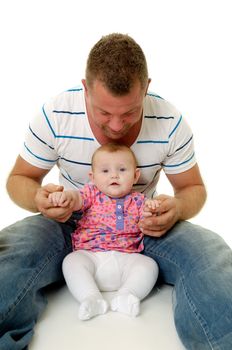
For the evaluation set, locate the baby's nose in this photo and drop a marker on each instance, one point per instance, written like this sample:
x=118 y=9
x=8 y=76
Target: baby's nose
x=114 y=174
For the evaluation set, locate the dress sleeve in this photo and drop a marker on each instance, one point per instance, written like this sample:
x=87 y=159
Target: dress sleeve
x=139 y=199
x=88 y=194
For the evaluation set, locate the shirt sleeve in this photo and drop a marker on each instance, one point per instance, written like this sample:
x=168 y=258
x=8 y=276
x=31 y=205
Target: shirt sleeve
x=139 y=199
x=39 y=146
x=88 y=194
x=181 y=154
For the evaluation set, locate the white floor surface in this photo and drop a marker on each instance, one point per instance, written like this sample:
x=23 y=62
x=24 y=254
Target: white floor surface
x=60 y=329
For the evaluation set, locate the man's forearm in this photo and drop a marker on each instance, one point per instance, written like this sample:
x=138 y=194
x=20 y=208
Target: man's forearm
x=191 y=200
x=22 y=191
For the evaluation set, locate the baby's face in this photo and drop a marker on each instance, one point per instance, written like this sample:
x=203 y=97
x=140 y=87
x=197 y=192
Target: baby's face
x=114 y=173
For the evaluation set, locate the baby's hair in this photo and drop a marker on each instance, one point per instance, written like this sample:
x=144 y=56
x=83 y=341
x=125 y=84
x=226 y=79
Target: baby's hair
x=113 y=148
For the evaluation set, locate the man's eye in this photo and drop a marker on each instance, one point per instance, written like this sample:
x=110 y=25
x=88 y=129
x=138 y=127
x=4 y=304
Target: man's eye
x=105 y=113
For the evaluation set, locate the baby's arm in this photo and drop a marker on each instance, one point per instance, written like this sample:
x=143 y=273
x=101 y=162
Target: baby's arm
x=66 y=199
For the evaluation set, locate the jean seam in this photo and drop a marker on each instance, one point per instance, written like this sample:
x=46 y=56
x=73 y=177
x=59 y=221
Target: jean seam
x=198 y=316
x=30 y=282
x=192 y=306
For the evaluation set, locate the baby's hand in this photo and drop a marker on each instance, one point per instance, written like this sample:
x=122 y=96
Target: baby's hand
x=150 y=207
x=152 y=203
x=59 y=199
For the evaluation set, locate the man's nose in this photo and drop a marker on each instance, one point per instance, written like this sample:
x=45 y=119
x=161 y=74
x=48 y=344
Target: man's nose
x=116 y=124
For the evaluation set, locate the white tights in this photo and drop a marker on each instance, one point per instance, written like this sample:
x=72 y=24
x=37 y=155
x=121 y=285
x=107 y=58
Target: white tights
x=132 y=275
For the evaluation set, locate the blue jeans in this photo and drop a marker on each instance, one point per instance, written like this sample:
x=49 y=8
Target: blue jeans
x=196 y=261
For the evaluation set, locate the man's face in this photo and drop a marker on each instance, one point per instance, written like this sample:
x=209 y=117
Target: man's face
x=113 y=115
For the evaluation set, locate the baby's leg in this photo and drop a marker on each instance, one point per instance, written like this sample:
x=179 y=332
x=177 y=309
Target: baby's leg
x=79 y=271
x=139 y=276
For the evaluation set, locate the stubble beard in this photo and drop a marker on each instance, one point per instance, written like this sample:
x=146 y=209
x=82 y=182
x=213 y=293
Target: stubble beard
x=116 y=135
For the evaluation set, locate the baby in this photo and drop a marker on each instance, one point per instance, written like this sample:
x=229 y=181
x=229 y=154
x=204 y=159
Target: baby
x=107 y=240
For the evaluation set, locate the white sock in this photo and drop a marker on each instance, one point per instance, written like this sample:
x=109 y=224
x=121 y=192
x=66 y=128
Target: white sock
x=126 y=303
x=91 y=307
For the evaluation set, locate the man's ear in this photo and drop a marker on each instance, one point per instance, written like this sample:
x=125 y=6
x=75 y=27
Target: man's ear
x=148 y=83
x=91 y=176
x=137 y=175
x=85 y=86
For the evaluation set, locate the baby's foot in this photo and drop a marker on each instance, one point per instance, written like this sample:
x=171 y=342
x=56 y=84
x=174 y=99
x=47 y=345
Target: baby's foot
x=91 y=307
x=126 y=303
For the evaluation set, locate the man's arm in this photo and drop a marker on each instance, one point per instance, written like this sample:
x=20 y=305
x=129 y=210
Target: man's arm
x=24 y=188
x=189 y=197
x=23 y=182
x=190 y=192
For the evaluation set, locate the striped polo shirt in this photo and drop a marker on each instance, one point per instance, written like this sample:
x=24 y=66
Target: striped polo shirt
x=60 y=135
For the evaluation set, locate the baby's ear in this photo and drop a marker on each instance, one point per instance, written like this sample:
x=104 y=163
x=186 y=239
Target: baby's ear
x=137 y=175
x=91 y=176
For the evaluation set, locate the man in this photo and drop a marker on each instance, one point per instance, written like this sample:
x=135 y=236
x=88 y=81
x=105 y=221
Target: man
x=114 y=104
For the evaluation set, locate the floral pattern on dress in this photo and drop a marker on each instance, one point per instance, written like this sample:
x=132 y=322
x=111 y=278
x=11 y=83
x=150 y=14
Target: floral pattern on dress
x=97 y=230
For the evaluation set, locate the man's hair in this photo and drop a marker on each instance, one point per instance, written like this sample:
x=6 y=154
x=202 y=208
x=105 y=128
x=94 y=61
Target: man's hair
x=113 y=148
x=118 y=62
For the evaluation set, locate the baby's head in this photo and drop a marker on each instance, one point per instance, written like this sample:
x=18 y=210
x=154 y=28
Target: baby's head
x=114 y=169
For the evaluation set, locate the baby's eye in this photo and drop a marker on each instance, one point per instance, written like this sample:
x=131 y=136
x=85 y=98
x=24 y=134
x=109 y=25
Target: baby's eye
x=105 y=170
x=122 y=169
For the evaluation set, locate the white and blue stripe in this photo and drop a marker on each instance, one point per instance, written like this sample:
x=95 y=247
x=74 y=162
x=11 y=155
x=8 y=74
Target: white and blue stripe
x=60 y=134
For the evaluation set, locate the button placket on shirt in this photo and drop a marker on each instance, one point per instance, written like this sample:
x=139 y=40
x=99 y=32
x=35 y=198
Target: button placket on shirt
x=119 y=214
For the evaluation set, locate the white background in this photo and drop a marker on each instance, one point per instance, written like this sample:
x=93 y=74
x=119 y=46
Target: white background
x=44 y=46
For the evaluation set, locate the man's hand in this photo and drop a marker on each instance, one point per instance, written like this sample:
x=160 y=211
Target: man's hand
x=157 y=221
x=48 y=209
